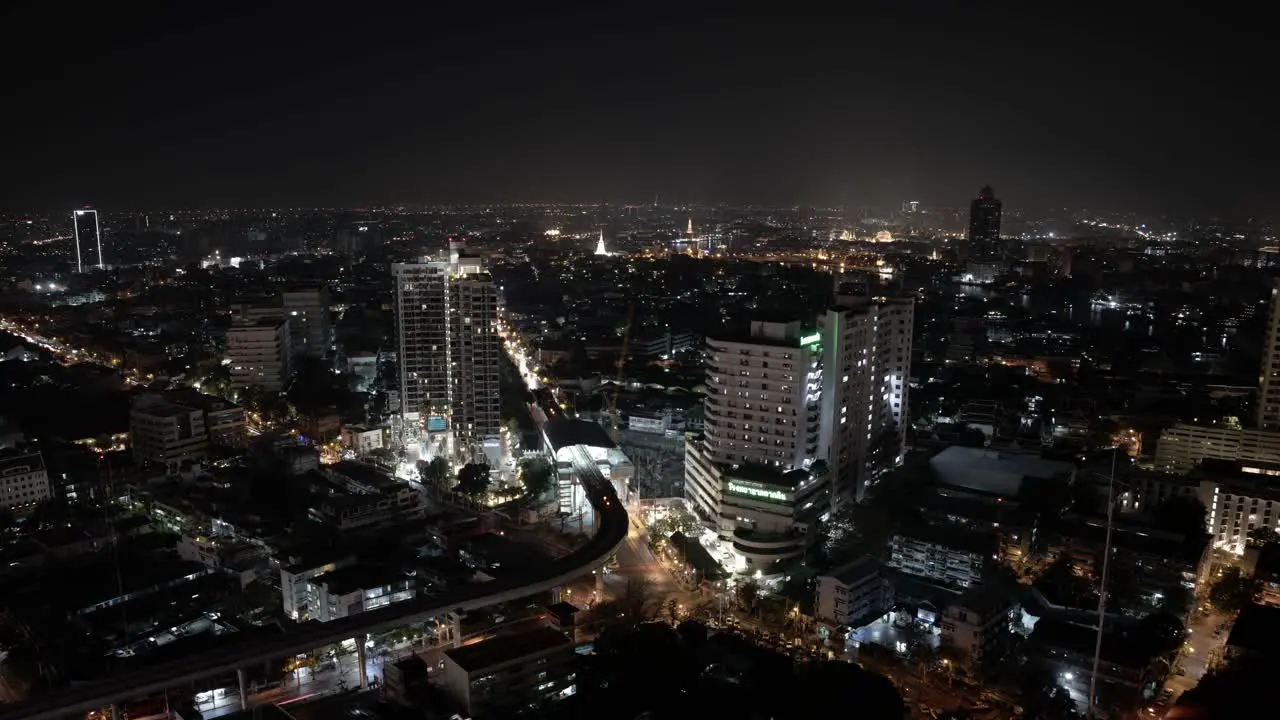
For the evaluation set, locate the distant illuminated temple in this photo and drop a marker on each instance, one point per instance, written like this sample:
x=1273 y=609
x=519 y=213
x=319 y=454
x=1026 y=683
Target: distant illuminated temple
x=601 y=250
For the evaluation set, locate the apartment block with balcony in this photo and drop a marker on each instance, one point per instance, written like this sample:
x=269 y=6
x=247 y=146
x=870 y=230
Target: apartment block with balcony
x=260 y=354
x=448 y=355
x=853 y=594
x=978 y=622
x=1241 y=497
x=946 y=555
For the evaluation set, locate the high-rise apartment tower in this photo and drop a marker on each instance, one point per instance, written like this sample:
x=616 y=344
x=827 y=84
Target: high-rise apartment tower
x=446 y=328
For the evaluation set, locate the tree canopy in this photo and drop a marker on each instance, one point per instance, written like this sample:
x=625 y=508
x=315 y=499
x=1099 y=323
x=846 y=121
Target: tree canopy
x=1232 y=590
x=656 y=671
x=537 y=476
x=473 y=480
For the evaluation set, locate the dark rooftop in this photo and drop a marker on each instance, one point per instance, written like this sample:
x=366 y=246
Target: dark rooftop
x=697 y=556
x=952 y=537
x=499 y=650
x=767 y=474
x=1257 y=630
x=851 y=573
x=563 y=432
x=361 y=577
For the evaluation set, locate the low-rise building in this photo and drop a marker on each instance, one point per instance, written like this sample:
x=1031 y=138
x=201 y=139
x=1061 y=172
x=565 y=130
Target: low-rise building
x=353 y=511
x=853 y=594
x=1184 y=446
x=166 y=435
x=362 y=439
x=996 y=475
x=24 y=480
x=977 y=622
x=1266 y=570
x=243 y=559
x=948 y=555
x=298 y=596
x=1255 y=636
x=360 y=588
x=1157 y=561
x=510 y=672
x=1129 y=670
x=223 y=419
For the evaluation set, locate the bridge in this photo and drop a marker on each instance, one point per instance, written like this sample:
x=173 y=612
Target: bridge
x=611 y=531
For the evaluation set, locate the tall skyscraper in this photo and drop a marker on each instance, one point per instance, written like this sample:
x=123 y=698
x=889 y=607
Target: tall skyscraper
x=755 y=473
x=88 y=247
x=866 y=363
x=308 y=311
x=1269 y=377
x=800 y=416
x=446 y=328
x=985 y=212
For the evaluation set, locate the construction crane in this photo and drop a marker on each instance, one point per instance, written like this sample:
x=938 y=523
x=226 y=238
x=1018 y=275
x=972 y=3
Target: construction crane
x=622 y=375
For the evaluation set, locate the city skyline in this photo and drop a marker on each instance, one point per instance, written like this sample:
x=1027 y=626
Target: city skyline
x=270 y=107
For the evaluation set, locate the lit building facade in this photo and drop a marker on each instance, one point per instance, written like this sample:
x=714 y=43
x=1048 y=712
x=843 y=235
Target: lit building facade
x=866 y=363
x=166 y=435
x=261 y=353
x=447 y=337
x=24 y=481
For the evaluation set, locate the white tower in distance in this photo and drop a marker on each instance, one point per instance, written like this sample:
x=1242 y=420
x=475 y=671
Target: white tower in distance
x=600 y=248
x=97 y=236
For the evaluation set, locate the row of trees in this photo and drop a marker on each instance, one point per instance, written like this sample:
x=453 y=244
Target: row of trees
x=657 y=671
x=473 y=480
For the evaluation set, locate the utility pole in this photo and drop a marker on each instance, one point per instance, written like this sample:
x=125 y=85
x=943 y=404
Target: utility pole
x=1102 y=589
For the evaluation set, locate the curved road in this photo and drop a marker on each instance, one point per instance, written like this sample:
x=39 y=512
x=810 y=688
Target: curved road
x=611 y=532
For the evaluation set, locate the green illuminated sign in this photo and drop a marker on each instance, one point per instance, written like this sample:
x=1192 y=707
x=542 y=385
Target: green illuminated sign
x=813 y=339
x=751 y=489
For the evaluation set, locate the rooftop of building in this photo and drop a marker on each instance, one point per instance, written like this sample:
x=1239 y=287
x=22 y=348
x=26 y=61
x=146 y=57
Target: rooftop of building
x=854 y=572
x=1136 y=537
x=499 y=650
x=163 y=409
x=563 y=432
x=262 y=323
x=766 y=474
x=1120 y=643
x=1260 y=474
x=22 y=455
x=992 y=472
x=949 y=536
x=986 y=600
x=1257 y=630
x=1268 y=564
x=782 y=333
x=197 y=399
x=696 y=555
x=361 y=576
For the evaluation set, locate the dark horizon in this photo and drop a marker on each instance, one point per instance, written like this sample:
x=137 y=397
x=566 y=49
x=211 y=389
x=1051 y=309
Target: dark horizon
x=285 y=106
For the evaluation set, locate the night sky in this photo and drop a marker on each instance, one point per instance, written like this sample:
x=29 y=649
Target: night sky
x=168 y=106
